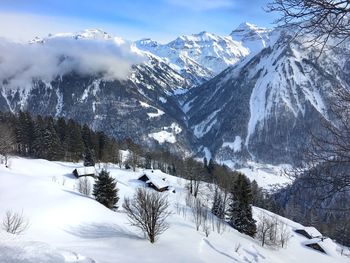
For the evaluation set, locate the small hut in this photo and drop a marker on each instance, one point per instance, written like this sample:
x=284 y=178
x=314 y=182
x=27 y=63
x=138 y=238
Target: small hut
x=319 y=244
x=308 y=232
x=84 y=171
x=155 y=182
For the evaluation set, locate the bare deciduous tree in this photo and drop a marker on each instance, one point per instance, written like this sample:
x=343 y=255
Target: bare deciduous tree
x=14 y=222
x=272 y=232
x=206 y=222
x=193 y=172
x=321 y=19
x=197 y=213
x=7 y=141
x=84 y=186
x=264 y=228
x=148 y=211
x=284 y=234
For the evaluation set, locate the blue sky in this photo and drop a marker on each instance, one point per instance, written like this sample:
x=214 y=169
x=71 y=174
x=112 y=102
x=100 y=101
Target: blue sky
x=161 y=20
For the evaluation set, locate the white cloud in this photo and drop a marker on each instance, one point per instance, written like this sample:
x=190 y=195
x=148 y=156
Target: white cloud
x=22 y=62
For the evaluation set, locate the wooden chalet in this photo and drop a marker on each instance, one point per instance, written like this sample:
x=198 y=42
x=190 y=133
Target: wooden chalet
x=308 y=232
x=84 y=171
x=315 y=239
x=320 y=244
x=155 y=182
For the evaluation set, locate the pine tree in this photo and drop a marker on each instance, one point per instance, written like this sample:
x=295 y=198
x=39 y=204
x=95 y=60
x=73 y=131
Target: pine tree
x=205 y=162
x=51 y=142
x=240 y=210
x=38 y=132
x=211 y=166
x=218 y=204
x=105 y=190
x=25 y=133
x=89 y=158
x=74 y=141
x=47 y=144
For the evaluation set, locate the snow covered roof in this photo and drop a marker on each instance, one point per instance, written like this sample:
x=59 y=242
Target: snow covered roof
x=309 y=232
x=155 y=180
x=326 y=244
x=85 y=170
x=312 y=231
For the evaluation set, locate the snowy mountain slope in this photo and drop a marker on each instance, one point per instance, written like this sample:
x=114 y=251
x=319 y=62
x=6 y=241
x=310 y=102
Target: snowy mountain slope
x=258 y=109
x=198 y=57
x=252 y=37
x=64 y=223
x=261 y=108
x=114 y=105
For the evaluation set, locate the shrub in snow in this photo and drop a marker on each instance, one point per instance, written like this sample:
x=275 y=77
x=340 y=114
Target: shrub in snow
x=148 y=211
x=84 y=186
x=14 y=222
x=105 y=190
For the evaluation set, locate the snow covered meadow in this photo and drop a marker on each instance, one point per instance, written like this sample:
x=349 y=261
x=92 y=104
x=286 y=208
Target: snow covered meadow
x=66 y=226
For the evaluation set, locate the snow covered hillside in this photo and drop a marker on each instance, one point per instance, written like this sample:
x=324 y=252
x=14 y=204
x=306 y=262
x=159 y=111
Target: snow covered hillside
x=65 y=226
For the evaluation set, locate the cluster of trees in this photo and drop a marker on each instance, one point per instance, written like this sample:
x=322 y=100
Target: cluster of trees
x=271 y=231
x=233 y=198
x=54 y=139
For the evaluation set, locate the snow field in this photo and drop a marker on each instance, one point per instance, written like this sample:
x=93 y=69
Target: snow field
x=65 y=226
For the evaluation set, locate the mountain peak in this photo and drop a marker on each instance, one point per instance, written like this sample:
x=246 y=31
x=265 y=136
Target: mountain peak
x=253 y=37
x=246 y=26
x=94 y=33
x=147 y=42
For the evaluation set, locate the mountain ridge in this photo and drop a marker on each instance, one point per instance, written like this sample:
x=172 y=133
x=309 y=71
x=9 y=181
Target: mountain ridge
x=256 y=109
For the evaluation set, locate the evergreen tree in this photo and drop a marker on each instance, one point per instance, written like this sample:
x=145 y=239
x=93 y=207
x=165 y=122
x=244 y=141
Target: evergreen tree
x=105 y=190
x=25 y=133
x=74 y=141
x=205 y=162
x=218 y=204
x=257 y=194
x=148 y=161
x=51 y=142
x=89 y=158
x=47 y=144
x=240 y=210
x=38 y=132
x=211 y=166
x=62 y=132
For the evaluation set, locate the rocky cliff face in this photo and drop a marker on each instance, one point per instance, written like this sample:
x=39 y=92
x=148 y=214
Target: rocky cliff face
x=263 y=107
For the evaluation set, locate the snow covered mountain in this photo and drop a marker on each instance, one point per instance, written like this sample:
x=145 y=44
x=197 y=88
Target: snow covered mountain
x=198 y=57
x=141 y=105
x=68 y=227
x=258 y=109
x=252 y=37
x=262 y=108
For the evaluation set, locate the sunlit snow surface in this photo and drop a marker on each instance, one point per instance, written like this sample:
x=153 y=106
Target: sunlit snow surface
x=66 y=226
